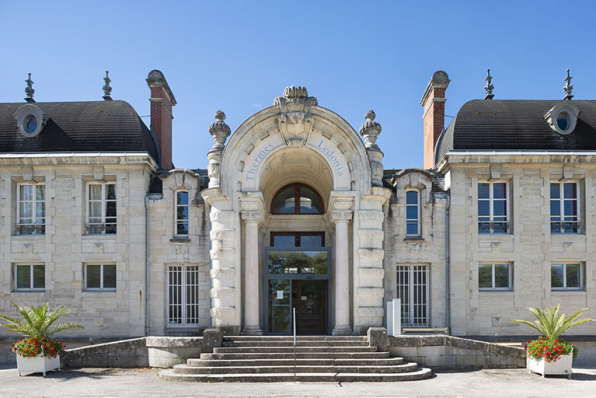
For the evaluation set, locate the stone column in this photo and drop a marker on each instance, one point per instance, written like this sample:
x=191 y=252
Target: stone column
x=251 y=273
x=341 y=218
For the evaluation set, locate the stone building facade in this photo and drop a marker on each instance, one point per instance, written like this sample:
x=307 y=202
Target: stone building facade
x=296 y=211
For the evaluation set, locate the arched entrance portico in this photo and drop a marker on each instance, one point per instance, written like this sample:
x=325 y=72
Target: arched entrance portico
x=295 y=141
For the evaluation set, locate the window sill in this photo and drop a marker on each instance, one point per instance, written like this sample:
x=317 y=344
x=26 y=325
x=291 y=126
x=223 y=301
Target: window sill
x=28 y=236
x=99 y=236
x=572 y=291
x=180 y=239
x=490 y=291
x=579 y=237
x=100 y=291
x=29 y=291
x=413 y=239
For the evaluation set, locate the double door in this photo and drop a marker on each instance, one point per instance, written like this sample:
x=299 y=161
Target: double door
x=297 y=279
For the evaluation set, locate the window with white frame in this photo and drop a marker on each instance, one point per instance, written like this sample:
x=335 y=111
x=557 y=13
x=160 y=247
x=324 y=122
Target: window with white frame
x=183 y=295
x=567 y=276
x=564 y=208
x=100 y=277
x=493 y=208
x=101 y=208
x=413 y=213
x=413 y=292
x=30 y=277
x=181 y=213
x=31 y=219
x=496 y=276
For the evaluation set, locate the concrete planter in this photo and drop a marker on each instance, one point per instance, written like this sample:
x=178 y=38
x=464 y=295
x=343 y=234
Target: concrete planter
x=561 y=367
x=37 y=364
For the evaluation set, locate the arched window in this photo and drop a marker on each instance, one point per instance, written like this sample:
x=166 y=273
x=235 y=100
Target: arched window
x=286 y=199
x=412 y=213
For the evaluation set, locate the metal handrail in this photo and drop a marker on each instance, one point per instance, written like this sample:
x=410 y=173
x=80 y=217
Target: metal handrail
x=294 y=324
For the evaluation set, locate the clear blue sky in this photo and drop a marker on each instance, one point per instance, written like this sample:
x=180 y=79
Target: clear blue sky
x=353 y=56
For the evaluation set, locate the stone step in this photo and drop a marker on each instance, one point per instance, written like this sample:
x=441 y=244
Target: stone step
x=290 y=355
x=421 y=373
x=391 y=361
x=407 y=367
x=286 y=350
x=299 y=343
x=298 y=338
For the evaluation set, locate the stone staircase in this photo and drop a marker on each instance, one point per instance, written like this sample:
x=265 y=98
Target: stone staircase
x=318 y=359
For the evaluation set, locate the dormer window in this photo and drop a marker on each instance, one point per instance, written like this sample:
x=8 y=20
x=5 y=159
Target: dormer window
x=30 y=119
x=562 y=117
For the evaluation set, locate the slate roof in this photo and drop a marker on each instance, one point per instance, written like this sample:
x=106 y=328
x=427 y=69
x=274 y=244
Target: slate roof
x=515 y=125
x=97 y=126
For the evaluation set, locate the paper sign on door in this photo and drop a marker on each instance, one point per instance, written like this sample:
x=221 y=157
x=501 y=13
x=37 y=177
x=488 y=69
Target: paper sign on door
x=280 y=294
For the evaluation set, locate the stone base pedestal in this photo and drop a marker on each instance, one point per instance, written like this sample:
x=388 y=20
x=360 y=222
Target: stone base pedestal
x=340 y=330
x=252 y=331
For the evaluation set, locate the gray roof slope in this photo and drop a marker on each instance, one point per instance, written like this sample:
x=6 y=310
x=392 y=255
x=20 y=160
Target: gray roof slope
x=515 y=125
x=97 y=126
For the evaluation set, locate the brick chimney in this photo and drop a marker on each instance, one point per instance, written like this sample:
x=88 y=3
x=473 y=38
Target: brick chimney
x=162 y=100
x=433 y=102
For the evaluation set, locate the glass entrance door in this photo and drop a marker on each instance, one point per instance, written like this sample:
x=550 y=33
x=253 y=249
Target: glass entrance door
x=297 y=276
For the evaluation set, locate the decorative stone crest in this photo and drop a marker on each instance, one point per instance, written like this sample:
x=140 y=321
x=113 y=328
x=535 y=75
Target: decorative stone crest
x=370 y=130
x=295 y=122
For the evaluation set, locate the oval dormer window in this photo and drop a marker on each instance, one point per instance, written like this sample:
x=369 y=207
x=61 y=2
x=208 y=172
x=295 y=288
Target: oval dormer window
x=31 y=124
x=563 y=121
x=562 y=117
x=30 y=119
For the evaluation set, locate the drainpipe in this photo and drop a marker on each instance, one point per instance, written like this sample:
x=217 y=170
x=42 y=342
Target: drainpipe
x=147 y=251
x=147 y=265
x=447 y=267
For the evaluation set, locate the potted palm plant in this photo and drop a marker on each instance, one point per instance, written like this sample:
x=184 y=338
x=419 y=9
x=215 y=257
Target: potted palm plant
x=37 y=352
x=550 y=354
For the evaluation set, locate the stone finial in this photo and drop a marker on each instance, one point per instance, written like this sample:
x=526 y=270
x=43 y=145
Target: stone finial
x=219 y=130
x=568 y=87
x=295 y=92
x=370 y=130
x=29 y=90
x=107 y=90
x=489 y=86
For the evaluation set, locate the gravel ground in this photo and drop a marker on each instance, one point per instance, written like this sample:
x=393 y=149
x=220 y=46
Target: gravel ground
x=139 y=383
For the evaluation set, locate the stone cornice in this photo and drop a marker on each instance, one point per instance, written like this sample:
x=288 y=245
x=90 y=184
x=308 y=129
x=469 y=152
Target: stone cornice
x=78 y=158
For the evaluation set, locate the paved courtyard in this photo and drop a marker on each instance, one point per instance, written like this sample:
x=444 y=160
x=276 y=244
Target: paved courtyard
x=145 y=383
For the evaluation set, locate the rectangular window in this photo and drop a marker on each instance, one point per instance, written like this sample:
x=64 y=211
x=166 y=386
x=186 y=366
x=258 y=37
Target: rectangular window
x=183 y=295
x=31 y=217
x=30 y=277
x=100 y=277
x=182 y=213
x=493 y=208
x=101 y=209
x=412 y=213
x=567 y=276
x=494 y=276
x=564 y=208
x=413 y=291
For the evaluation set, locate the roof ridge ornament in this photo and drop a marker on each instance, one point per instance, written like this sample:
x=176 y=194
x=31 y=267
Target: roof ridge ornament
x=489 y=86
x=29 y=90
x=370 y=130
x=568 y=87
x=107 y=90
